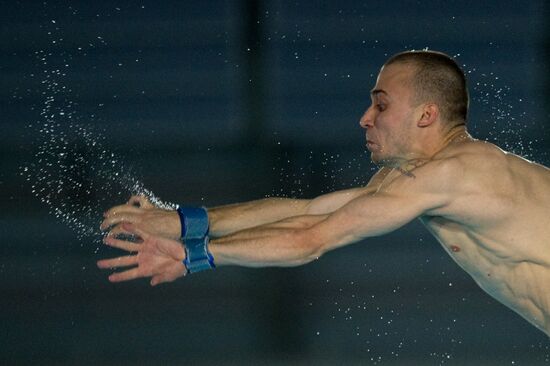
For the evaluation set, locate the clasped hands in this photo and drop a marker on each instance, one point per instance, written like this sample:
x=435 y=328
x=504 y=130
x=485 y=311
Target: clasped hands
x=150 y=235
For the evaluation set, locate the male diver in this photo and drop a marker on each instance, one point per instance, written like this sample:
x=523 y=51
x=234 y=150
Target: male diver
x=489 y=209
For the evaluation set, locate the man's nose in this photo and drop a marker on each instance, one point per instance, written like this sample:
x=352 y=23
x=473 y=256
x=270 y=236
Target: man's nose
x=367 y=120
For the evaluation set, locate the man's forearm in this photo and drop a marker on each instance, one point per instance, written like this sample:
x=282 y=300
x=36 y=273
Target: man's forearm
x=229 y=219
x=283 y=244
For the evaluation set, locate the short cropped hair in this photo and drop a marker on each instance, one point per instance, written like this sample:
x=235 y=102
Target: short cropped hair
x=438 y=79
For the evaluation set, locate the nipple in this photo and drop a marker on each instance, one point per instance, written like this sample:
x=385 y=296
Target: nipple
x=455 y=248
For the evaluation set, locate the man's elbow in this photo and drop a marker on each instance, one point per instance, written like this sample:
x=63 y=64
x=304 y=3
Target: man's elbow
x=310 y=246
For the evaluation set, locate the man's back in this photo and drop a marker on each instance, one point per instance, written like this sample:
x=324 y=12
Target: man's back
x=497 y=226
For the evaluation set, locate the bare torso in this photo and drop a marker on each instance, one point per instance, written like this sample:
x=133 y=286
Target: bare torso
x=497 y=227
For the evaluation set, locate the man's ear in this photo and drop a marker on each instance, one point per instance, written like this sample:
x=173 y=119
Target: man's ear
x=430 y=114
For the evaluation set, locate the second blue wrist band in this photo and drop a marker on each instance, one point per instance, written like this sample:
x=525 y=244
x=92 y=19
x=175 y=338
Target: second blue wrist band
x=194 y=233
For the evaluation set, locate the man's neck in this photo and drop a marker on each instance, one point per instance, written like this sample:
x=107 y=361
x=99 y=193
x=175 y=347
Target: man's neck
x=456 y=134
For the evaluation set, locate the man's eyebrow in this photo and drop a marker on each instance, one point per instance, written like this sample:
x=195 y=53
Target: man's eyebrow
x=378 y=91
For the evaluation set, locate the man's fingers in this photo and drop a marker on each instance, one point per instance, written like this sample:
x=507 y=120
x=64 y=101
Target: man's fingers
x=121 y=209
x=130 y=274
x=133 y=229
x=156 y=280
x=121 y=244
x=140 y=201
x=125 y=261
x=115 y=219
x=117 y=230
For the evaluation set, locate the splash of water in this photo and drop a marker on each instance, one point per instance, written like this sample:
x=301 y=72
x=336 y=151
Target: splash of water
x=505 y=119
x=72 y=172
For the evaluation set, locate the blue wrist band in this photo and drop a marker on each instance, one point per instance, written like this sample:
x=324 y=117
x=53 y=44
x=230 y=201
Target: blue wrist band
x=194 y=222
x=198 y=258
x=194 y=233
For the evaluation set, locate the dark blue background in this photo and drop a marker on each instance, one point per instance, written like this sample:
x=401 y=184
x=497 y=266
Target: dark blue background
x=221 y=101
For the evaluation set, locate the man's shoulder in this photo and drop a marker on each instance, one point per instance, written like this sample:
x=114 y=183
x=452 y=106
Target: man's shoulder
x=425 y=175
x=455 y=163
x=454 y=168
x=470 y=151
x=475 y=166
x=472 y=156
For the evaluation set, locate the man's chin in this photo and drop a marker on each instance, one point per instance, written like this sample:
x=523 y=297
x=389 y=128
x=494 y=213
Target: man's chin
x=376 y=158
x=382 y=161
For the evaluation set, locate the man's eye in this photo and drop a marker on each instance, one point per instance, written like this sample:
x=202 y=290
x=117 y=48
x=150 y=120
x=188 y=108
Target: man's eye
x=381 y=107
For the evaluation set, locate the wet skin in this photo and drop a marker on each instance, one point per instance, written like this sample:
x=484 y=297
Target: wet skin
x=493 y=216
x=496 y=226
x=489 y=209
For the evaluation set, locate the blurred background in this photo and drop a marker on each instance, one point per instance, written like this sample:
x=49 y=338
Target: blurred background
x=216 y=102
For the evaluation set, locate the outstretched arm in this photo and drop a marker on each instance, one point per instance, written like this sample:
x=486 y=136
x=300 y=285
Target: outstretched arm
x=225 y=220
x=301 y=239
x=232 y=218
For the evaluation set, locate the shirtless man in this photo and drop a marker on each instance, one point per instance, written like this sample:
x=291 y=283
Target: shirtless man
x=489 y=209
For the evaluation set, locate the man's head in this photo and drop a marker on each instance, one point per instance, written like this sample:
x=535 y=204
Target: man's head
x=418 y=98
x=437 y=78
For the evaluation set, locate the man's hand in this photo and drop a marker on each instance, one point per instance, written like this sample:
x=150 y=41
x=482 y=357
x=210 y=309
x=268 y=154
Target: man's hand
x=150 y=218
x=156 y=257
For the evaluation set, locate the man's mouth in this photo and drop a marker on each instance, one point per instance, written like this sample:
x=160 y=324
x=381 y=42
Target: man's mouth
x=371 y=144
